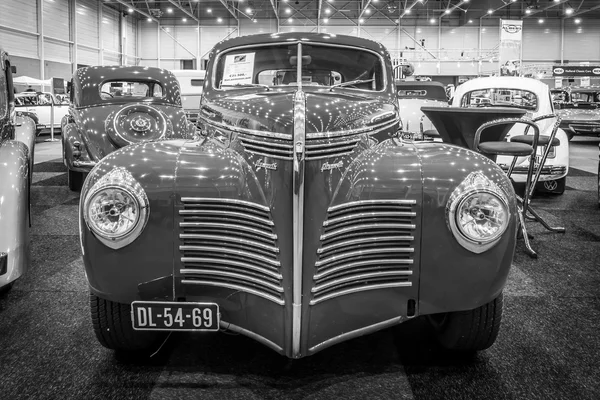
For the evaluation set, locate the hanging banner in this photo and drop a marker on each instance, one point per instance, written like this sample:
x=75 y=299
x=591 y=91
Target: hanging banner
x=576 y=70
x=511 y=41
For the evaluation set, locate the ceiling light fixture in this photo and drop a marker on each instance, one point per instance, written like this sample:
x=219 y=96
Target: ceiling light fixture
x=209 y=10
x=541 y=21
x=432 y=20
x=569 y=11
x=184 y=19
x=528 y=11
x=169 y=10
x=219 y=19
x=577 y=20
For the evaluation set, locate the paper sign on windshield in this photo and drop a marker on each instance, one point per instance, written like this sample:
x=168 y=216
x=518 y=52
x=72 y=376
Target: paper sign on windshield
x=238 y=69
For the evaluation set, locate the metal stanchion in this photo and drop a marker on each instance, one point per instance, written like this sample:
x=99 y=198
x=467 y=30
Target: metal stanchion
x=52 y=139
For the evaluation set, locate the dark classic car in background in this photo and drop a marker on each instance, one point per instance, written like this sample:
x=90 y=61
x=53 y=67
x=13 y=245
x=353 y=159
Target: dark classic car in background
x=579 y=109
x=412 y=95
x=17 y=139
x=298 y=217
x=116 y=106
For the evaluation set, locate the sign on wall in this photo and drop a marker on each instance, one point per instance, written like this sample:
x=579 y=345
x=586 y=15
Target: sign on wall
x=576 y=70
x=511 y=42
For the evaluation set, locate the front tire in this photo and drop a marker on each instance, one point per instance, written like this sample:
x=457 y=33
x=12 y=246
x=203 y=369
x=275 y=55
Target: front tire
x=75 y=180
x=471 y=330
x=114 y=330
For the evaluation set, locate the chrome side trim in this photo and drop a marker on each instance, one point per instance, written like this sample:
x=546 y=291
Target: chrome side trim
x=367 y=214
x=227 y=274
x=358 y=253
x=354 y=242
x=252 y=335
x=235 y=287
x=359 y=289
x=77 y=163
x=231 y=263
x=352 y=278
x=231 y=251
x=350 y=229
x=264 y=221
x=222 y=238
x=369 y=202
x=298 y=205
x=334 y=270
x=228 y=226
x=352 y=334
x=220 y=201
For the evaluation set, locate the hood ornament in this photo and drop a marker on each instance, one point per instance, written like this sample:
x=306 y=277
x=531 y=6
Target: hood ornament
x=263 y=164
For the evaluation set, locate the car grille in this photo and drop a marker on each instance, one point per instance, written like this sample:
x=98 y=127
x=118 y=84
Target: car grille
x=230 y=243
x=365 y=245
x=316 y=149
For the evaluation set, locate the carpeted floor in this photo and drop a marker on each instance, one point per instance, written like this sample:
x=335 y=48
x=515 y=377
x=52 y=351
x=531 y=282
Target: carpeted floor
x=548 y=348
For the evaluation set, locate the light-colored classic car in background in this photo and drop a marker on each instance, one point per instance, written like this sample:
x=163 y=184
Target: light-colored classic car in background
x=114 y=106
x=298 y=217
x=17 y=140
x=42 y=104
x=412 y=95
x=534 y=97
x=579 y=109
x=191 y=83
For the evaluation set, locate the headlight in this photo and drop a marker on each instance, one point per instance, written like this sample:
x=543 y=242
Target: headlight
x=477 y=213
x=116 y=209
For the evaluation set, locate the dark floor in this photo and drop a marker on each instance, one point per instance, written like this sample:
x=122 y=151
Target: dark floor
x=548 y=348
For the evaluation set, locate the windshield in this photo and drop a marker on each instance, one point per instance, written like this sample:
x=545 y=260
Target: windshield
x=500 y=98
x=139 y=90
x=272 y=66
x=421 y=92
x=585 y=97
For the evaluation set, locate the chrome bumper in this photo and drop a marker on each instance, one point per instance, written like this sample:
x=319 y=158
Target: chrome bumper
x=546 y=169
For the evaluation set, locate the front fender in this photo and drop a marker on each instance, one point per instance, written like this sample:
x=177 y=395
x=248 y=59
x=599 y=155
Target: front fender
x=70 y=135
x=14 y=208
x=452 y=277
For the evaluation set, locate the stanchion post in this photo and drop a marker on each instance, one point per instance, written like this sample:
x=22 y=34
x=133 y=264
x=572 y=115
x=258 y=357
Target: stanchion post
x=51 y=122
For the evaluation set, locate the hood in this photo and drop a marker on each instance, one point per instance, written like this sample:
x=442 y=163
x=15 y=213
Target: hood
x=271 y=111
x=579 y=115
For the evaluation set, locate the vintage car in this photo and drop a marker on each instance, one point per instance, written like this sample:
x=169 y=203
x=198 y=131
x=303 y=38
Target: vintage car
x=17 y=138
x=298 y=216
x=580 y=111
x=191 y=83
x=114 y=106
x=43 y=105
x=413 y=95
x=534 y=97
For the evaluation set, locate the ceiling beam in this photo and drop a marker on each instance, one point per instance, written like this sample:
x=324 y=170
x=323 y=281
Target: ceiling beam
x=134 y=8
x=363 y=10
x=319 y=12
x=582 y=11
x=224 y=2
x=275 y=9
x=178 y=5
x=558 y=3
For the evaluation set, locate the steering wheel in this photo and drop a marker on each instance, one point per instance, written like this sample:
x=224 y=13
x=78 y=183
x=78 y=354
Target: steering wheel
x=107 y=94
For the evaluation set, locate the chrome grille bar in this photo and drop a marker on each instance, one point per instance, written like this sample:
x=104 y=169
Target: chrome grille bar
x=215 y=249
x=232 y=263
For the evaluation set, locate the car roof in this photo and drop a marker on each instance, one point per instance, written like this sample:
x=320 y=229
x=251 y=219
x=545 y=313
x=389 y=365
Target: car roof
x=513 y=82
x=295 y=37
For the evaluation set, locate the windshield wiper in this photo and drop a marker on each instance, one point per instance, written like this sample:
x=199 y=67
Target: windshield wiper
x=350 y=83
x=250 y=85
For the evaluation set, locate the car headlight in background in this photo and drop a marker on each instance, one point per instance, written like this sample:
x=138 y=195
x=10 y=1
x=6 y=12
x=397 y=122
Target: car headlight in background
x=477 y=213
x=116 y=208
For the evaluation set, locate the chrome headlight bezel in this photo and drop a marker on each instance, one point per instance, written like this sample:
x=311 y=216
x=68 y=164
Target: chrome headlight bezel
x=476 y=183
x=119 y=179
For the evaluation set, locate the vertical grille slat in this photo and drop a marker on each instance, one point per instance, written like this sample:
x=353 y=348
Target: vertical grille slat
x=231 y=244
x=365 y=245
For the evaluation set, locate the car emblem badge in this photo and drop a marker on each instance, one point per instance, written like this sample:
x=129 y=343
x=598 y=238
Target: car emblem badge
x=262 y=164
x=550 y=185
x=328 y=167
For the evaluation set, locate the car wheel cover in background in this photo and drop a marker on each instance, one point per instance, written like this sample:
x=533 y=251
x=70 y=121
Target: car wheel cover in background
x=137 y=123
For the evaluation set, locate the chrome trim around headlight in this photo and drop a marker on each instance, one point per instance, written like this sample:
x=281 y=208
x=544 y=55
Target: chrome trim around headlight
x=119 y=178
x=475 y=182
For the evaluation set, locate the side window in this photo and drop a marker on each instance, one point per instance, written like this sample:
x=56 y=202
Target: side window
x=4 y=92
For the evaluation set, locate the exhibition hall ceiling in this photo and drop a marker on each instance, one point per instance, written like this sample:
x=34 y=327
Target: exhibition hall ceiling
x=352 y=12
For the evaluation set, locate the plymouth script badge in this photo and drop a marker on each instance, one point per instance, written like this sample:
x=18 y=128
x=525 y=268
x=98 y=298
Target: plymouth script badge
x=327 y=166
x=262 y=164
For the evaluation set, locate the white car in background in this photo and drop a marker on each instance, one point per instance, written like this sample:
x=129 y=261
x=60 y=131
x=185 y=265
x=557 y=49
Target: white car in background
x=191 y=83
x=412 y=95
x=40 y=103
x=534 y=97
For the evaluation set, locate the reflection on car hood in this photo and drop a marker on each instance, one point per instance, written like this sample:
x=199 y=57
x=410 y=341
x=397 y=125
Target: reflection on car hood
x=330 y=112
x=580 y=115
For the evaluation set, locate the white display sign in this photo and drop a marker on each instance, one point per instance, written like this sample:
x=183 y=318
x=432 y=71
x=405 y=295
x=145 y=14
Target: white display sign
x=585 y=81
x=511 y=38
x=239 y=69
x=557 y=83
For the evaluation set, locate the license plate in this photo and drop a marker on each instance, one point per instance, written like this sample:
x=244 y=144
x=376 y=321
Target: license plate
x=171 y=316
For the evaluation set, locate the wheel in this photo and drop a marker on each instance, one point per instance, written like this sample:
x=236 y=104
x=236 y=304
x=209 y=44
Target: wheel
x=6 y=288
x=471 y=330
x=75 y=180
x=112 y=325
